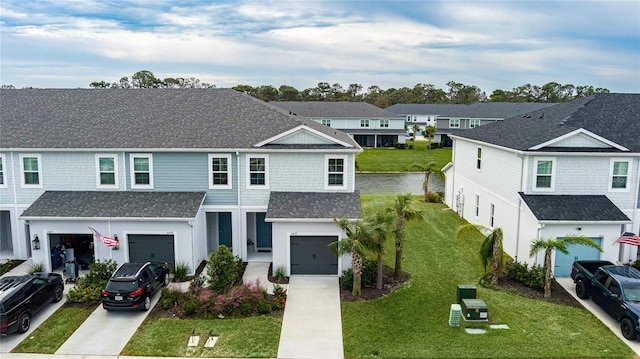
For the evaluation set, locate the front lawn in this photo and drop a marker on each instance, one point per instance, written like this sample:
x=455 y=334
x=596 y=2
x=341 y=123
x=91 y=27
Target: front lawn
x=413 y=322
x=395 y=160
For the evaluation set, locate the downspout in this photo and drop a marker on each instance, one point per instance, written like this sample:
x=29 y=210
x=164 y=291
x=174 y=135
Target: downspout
x=519 y=205
x=239 y=213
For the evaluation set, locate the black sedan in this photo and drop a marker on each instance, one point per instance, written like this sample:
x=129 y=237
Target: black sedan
x=23 y=296
x=133 y=285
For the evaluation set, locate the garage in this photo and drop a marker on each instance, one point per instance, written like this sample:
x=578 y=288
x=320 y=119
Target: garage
x=312 y=255
x=151 y=247
x=564 y=262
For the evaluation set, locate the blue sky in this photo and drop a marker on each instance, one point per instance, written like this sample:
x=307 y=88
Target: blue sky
x=492 y=45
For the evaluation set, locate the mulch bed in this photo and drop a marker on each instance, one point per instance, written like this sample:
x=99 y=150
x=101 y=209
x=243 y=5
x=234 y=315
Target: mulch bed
x=389 y=284
x=273 y=279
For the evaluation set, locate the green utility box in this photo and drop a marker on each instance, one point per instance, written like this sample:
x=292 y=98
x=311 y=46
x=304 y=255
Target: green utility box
x=474 y=310
x=466 y=291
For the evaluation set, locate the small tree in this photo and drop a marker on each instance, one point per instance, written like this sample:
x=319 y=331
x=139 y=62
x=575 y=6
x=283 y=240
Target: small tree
x=559 y=244
x=404 y=211
x=223 y=269
x=384 y=226
x=491 y=251
x=429 y=169
x=416 y=131
x=429 y=133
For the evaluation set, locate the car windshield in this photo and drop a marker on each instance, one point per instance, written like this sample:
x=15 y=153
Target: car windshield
x=632 y=293
x=121 y=286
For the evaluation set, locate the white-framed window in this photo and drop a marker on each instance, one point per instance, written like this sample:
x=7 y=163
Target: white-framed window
x=454 y=123
x=141 y=167
x=619 y=175
x=258 y=171
x=335 y=172
x=384 y=123
x=326 y=122
x=477 y=205
x=106 y=171
x=30 y=171
x=408 y=118
x=492 y=212
x=3 y=178
x=474 y=123
x=544 y=169
x=220 y=171
x=415 y=118
x=479 y=158
x=364 y=123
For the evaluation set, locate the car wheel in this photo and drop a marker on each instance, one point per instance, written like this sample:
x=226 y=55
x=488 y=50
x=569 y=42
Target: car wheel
x=628 y=331
x=58 y=293
x=24 y=322
x=147 y=303
x=581 y=290
x=166 y=279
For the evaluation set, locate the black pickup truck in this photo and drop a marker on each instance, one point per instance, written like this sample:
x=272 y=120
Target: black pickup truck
x=614 y=288
x=23 y=296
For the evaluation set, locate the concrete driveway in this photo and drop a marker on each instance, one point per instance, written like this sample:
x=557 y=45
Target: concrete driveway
x=569 y=286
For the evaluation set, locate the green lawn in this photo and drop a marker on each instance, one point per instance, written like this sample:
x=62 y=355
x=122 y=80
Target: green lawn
x=413 y=322
x=394 y=160
x=49 y=336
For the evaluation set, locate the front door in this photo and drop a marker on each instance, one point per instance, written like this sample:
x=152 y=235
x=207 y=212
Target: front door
x=263 y=231
x=224 y=228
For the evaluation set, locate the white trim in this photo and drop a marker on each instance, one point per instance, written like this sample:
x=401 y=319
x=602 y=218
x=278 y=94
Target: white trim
x=552 y=185
x=115 y=171
x=629 y=162
x=344 y=159
x=229 y=184
x=21 y=157
x=575 y=132
x=301 y=128
x=3 y=165
x=248 y=172
x=132 y=174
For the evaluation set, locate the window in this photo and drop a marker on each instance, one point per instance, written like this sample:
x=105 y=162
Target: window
x=474 y=123
x=620 y=170
x=335 y=172
x=106 y=171
x=31 y=171
x=454 y=123
x=477 y=206
x=384 y=123
x=141 y=170
x=408 y=118
x=257 y=172
x=545 y=169
x=479 y=159
x=220 y=171
x=364 y=123
x=492 y=211
x=326 y=122
x=3 y=182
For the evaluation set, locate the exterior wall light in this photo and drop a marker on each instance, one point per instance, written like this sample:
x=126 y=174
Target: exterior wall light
x=35 y=243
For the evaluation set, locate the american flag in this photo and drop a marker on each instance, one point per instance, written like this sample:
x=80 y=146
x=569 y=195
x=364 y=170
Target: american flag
x=629 y=238
x=108 y=241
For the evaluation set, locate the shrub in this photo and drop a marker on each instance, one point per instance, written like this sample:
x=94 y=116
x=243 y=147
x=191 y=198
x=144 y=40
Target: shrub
x=432 y=197
x=87 y=288
x=369 y=274
x=6 y=266
x=400 y=146
x=241 y=299
x=35 y=268
x=279 y=274
x=223 y=269
x=279 y=297
x=180 y=271
x=533 y=277
x=346 y=281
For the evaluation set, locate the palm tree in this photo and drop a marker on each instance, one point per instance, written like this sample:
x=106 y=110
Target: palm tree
x=358 y=238
x=559 y=244
x=404 y=212
x=429 y=169
x=490 y=249
x=416 y=129
x=429 y=133
x=384 y=226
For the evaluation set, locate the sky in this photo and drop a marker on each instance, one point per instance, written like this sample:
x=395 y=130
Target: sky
x=390 y=44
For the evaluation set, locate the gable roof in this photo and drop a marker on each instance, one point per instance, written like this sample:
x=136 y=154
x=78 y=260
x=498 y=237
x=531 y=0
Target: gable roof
x=475 y=110
x=142 y=119
x=313 y=205
x=614 y=117
x=342 y=109
x=118 y=204
x=574 y=208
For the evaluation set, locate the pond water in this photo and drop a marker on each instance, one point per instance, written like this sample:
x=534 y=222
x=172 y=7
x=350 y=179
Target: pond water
x=385 y=183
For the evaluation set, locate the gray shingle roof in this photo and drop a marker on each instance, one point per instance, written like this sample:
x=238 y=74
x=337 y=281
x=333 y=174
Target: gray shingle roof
x=313 y=205
x=120 y=204
x=579 y=208
x=342 y=109
x=615 y=117
x=475 y=110
x=142 y=118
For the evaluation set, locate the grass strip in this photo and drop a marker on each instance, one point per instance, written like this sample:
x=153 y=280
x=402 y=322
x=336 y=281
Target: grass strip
x=395 y=160
x=49 y=336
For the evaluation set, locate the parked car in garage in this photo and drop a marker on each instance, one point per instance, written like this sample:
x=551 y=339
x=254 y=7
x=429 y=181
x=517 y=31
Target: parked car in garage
x=132 y=286
x=21 y=297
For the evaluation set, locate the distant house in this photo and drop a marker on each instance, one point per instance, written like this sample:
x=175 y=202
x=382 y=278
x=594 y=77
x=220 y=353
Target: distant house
x=172 y=174
x=454 y=118
x=572 y=168
x=369 y=125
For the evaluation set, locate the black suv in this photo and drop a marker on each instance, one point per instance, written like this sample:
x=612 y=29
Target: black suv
x=23 y=296
x=133 y=284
